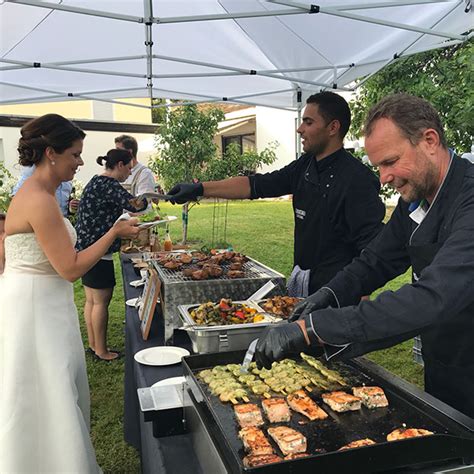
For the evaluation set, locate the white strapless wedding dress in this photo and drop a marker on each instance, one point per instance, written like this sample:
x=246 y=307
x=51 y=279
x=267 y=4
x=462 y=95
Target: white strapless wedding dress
x=44 y=392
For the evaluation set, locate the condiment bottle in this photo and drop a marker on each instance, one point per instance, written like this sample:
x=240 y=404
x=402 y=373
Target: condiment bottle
x=167 y=244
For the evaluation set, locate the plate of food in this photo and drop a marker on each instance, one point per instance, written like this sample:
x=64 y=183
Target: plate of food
x=146 y=224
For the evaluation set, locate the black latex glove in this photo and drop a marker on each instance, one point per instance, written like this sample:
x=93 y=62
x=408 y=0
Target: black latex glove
x=323 y=298
x=278 y=341
x=184 y=192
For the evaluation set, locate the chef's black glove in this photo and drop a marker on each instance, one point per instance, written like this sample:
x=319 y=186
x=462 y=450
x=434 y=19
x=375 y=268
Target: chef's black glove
x=184 y=192
x=277 y=341
x=323 y=298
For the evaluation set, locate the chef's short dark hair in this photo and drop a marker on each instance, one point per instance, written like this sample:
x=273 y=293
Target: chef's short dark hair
x=411 y=114
x=129 y=143
x=332 y=106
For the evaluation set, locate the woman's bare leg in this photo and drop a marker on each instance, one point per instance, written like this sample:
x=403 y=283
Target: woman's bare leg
x=99 y=319
x=88 y=316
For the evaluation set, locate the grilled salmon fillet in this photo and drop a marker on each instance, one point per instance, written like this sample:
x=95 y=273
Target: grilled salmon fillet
x=372 y=397
x=404 y=433
x=276 y=410
x=289 y=440
x=357 y=444
x=248 y=414
x=255 y=460
x=301 y=403
x=295 y=456
x=255 y=441
x=341 y=401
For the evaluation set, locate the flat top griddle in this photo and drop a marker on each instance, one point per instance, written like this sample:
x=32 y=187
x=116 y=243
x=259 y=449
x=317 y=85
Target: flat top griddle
x=325 y=437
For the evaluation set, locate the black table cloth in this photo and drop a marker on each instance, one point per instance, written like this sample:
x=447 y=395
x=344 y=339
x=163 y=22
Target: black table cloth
x=172 y=454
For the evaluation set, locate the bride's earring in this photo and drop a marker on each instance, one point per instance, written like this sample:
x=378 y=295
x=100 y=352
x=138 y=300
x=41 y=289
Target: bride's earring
x=53 y=162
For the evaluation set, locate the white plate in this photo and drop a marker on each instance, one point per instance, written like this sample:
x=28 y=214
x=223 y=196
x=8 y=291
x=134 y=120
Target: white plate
x=147 y=225
x=131 y=302
x=161 y=355
x=137 y=283
x=170 y=381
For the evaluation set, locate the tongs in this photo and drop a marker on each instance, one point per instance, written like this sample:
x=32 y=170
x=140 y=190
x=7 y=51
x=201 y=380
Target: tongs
x=244 y=368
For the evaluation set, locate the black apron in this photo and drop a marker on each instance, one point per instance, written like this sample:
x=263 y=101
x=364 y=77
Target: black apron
x=450 y=382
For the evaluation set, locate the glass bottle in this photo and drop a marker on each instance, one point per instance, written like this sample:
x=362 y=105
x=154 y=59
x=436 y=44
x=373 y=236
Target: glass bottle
x=167 y=244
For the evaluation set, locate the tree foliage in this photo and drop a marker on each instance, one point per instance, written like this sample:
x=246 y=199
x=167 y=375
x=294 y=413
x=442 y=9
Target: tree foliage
x=444 y=77
x=233 y=163
x=186 y=144
x=188 y=151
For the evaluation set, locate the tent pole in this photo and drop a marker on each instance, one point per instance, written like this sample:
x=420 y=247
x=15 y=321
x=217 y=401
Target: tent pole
x=375 y=21
x=298 y=120
x=148 y=11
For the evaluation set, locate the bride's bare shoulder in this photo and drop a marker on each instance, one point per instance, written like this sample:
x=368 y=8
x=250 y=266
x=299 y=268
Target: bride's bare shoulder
x=30 y=203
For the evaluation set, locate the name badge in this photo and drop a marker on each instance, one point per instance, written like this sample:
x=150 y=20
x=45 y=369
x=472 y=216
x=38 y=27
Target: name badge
x=300 y=214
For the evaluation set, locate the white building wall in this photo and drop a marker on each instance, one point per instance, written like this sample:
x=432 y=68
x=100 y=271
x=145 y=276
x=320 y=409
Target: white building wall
x=95 y=144
x=276 y=125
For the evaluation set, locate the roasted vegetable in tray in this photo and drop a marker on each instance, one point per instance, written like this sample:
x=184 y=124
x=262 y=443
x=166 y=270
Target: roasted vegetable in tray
x=225 y=312
x=280 y=305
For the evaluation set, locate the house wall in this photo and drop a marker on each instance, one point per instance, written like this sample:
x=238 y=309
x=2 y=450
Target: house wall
x=96 y=143
x=276 y=125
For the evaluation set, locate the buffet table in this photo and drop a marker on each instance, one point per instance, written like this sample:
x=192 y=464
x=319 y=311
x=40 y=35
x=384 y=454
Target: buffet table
x=170 y=454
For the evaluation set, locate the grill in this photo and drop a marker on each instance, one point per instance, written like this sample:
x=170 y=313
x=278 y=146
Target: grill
x=176 y=289
x=453 y=438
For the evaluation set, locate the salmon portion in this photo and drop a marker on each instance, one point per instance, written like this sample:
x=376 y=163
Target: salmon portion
x=295 y=456
x=342 y=401
x=255 y=460
x=405 y=433
x=255 y=441
x=372 y=397
x=357 y=444
x=301 y=403
x=276 y=410
x=289 y=440
x=248 y=414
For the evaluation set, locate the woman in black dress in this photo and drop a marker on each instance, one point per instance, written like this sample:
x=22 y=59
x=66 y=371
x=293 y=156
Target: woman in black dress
x=102 y=203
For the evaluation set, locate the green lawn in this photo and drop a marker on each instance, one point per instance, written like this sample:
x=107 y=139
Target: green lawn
x=262 y=230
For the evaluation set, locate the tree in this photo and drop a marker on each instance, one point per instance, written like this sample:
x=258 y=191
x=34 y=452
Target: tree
x=234 y=163
x=444 y=77
x=186 y=145
x=187 y=151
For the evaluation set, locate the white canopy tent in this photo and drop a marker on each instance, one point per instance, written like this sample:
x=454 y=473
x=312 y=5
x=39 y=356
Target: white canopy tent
x=260 y=52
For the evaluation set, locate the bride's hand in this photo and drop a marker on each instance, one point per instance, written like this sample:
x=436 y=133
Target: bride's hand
x=126 y=229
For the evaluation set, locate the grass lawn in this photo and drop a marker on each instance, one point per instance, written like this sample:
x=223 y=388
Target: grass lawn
x=262 y=230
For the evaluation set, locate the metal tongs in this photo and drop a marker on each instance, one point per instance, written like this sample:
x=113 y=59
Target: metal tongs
x=248 y=356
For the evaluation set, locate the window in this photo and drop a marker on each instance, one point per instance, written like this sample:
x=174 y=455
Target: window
x=244 y=142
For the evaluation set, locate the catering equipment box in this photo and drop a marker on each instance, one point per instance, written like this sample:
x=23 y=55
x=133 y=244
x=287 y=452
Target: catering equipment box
x=177 y=289
x=230 y=337
x=451 y=444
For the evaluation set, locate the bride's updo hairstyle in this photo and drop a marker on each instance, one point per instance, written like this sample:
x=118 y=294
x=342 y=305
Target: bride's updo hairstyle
x=48 y=130
x=114 y=157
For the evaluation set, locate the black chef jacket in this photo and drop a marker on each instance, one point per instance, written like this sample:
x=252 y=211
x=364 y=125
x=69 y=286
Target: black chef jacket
x=439 y=305
x=337 y=209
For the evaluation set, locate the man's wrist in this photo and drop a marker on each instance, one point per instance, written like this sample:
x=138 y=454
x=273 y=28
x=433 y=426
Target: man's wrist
x=313 y=337
x=302 y=326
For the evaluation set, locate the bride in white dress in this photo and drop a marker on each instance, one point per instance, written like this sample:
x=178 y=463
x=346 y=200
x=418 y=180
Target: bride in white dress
x=44 y=393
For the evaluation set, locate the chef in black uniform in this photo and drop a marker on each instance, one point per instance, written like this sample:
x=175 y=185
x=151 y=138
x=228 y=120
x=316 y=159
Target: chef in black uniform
x=432 y=229
x=336 y=203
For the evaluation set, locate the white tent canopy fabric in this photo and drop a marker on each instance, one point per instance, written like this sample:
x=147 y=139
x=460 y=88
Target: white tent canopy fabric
x=257 y=52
